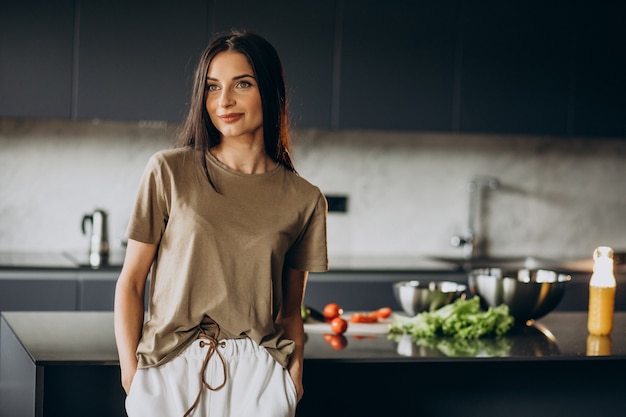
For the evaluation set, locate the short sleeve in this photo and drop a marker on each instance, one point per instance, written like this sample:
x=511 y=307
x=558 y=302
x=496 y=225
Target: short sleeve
x=150 y=212
x=310 y=252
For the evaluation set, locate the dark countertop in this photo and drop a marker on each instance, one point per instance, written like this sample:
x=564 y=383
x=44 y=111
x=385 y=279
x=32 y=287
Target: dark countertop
x=55 y=261
x=559 y=335
x=65 y=337
x=35 y=260
x=76 y=260
x=79 y=260
x=88 y=338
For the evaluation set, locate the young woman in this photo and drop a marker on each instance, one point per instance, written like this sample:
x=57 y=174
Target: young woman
x=229 y=231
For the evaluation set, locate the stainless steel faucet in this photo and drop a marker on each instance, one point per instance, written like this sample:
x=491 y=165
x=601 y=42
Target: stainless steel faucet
x=473 y=246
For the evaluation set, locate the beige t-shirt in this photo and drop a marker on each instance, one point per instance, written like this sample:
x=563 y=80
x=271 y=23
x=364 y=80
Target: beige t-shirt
x=221 y=255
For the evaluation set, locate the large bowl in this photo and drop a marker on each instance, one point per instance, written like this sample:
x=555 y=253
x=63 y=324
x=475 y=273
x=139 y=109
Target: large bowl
x=417 y=296
x=529 y=293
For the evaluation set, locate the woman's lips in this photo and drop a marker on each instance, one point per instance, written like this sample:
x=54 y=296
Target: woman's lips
x=231 y=117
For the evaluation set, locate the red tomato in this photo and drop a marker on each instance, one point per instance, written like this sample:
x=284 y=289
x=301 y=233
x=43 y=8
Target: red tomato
x=363 y=318
x=336 y=341
x=383 y=312
x=331 y=311
x=338 y=325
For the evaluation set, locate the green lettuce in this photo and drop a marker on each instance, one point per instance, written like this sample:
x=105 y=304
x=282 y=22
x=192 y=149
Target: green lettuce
x=462 y=319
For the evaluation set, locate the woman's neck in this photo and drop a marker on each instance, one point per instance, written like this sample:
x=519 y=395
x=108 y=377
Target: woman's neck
x=248 y=158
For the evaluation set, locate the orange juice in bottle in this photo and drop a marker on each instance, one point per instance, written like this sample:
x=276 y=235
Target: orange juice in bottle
x=598 y=345
x=601 y=293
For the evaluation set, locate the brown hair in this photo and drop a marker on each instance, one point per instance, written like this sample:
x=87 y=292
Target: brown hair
x=198 y=132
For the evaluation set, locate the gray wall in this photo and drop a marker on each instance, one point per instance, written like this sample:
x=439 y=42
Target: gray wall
x=560 y=197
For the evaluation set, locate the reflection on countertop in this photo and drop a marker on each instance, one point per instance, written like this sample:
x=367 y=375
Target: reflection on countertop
x=523 y=340
x=559 y=335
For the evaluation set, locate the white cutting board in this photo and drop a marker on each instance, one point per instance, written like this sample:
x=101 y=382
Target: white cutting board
x=382 y=327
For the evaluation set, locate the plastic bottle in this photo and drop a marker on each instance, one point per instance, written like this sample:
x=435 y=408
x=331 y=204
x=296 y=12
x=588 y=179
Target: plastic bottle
x=601 y=293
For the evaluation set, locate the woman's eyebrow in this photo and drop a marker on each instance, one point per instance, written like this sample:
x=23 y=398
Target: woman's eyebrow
x=238 y=77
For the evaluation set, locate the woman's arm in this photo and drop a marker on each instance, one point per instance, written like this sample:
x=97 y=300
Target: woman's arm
x=129 y=306
x=290 y=319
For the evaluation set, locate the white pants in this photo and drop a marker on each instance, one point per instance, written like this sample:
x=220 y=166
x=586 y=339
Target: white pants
x=256 y=385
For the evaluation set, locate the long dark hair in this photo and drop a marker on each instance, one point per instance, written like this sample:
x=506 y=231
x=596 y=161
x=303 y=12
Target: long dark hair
x=198 y=132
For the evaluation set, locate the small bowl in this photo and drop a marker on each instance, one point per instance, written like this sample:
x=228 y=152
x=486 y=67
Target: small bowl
x=529 y=293
x=417 y=296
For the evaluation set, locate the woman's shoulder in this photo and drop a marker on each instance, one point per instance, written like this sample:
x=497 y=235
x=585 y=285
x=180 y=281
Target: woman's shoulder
x=173 y=157
x=302 y=184
x=173 y=154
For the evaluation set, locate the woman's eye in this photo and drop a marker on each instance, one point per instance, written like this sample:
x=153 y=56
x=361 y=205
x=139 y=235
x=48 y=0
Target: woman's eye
x=212 y=87
x=244 y=84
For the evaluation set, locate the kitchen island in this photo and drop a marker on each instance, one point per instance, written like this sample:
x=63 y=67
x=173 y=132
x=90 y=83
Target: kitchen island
x=65 y=364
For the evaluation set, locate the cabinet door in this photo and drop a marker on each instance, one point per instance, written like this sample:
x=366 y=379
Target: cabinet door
x=136 y=59
x=303 y=35
x=397 y=65
x=38 y=294
x=96 y=293
x=36 y=58
x=600 y=77
x=96 y=290
x=515 y=68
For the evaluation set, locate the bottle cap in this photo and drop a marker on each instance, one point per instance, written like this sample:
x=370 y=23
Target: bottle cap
x=603 y=251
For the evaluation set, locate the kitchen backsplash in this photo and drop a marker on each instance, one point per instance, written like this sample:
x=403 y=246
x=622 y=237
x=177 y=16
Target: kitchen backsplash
x=407 y=192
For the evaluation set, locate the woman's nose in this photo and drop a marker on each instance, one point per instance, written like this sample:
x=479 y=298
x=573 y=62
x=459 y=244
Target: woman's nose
x=226 y=99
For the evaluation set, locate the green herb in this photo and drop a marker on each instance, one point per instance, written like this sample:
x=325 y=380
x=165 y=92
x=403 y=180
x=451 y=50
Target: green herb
x=462 y=319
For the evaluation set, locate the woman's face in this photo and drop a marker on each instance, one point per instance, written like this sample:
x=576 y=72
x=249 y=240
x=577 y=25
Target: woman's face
x=233 y=99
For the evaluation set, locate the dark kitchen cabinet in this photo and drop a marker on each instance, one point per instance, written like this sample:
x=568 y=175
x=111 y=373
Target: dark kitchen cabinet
x=136 y=58
x=96 y=290
x=33 y=291
x=79 y=289
x=516 y=67
x=398 y=65
x=599 y=103
x=303 y=34
x=64 y=369
x=36 y=58
x=532 y=68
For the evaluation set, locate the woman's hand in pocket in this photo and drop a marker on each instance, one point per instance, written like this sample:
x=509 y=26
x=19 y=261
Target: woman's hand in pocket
x=128 y=375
